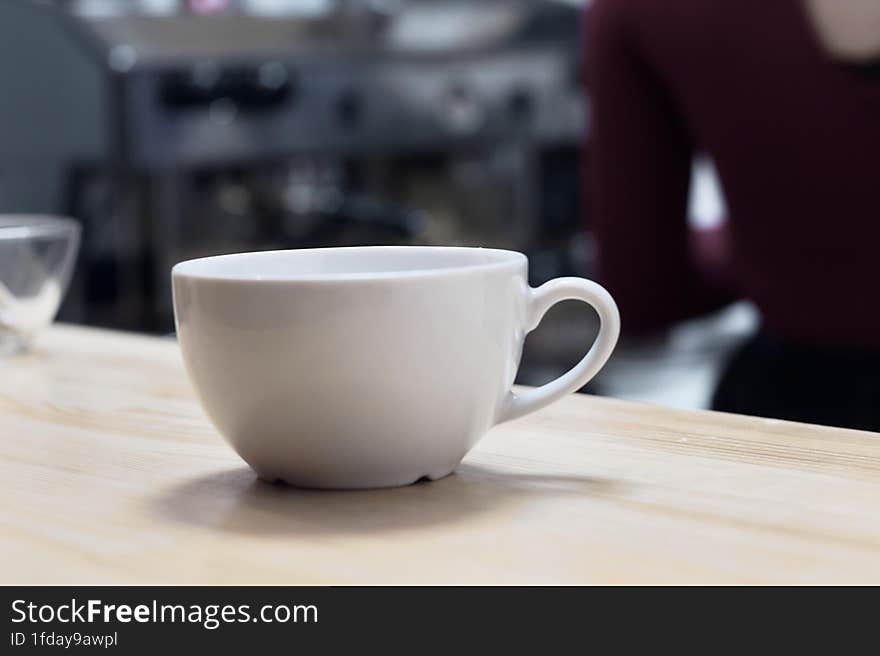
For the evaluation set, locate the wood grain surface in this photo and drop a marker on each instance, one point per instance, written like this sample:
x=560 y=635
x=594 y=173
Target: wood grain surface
x=110 y=473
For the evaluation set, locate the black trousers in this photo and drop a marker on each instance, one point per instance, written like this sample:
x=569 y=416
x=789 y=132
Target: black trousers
x=770 y=377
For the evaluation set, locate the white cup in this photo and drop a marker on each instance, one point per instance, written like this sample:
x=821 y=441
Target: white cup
x=368 y=367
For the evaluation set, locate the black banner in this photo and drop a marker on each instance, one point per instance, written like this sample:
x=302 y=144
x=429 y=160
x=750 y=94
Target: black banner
x=134 y=620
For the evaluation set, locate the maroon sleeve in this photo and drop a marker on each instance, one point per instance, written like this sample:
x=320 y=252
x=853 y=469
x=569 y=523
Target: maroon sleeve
x=639 y=163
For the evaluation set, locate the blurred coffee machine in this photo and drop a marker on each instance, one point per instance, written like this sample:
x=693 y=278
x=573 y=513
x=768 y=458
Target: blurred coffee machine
x=181 y=128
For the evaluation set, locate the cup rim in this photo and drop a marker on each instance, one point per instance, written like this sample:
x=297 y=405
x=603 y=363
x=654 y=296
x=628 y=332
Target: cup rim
x=501 y=259
x=29 y=226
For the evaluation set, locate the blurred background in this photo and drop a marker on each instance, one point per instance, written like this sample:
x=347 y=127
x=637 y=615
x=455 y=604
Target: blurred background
x=174 y=129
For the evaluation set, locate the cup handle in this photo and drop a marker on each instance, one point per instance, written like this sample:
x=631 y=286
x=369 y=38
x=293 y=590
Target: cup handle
x=542 y=299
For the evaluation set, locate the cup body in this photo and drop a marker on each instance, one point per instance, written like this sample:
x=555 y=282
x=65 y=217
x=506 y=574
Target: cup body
x=353 y=367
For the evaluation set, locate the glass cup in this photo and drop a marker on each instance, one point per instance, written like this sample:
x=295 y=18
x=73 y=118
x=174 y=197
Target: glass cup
x=36 y=259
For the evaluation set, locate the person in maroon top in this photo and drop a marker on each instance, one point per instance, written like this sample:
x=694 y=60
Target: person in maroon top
x=793 y=128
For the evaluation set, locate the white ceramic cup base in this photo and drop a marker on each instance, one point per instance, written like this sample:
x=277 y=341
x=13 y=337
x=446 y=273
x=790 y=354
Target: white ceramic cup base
x=367 y=482
x=368 y=367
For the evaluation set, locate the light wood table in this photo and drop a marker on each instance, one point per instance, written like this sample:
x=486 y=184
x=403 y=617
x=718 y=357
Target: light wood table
x=110 y=473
